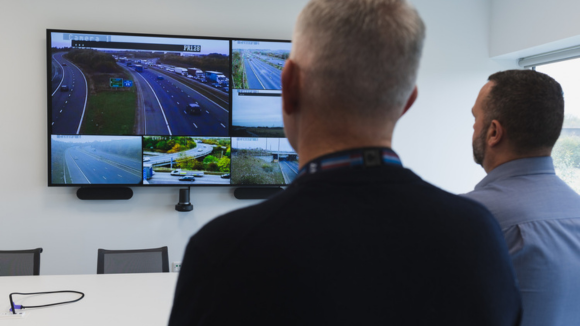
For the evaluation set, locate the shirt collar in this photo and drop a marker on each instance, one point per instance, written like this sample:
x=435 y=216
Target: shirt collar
x=354 y=158
x=520 y=167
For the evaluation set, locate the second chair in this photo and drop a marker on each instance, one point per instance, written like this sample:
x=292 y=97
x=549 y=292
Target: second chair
x=133 y=261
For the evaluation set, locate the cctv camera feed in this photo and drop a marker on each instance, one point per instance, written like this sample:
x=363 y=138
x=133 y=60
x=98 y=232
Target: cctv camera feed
x=263 y=161
x=257 y=113
x=81 y=160
x=157 y=110
x=175 y=160
x=257 y=64
x=138 y=85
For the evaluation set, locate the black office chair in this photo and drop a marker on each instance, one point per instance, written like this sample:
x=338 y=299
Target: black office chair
x=20 y=262
x=133 y=261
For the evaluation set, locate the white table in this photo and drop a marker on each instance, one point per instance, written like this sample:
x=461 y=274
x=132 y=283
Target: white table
x=110 y=299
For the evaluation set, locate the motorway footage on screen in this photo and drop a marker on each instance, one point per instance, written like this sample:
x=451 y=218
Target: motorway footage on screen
x=79 y=159
x=263 y=161
x=138 y=85
x=257 y=113
x=257 y=64
x=158 y=110
x=178 y=160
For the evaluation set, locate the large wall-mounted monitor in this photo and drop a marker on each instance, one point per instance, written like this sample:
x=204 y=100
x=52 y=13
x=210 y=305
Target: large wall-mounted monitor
x=162 y=110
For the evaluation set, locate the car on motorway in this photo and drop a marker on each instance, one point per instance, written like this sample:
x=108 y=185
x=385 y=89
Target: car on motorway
x=187 y=178
x=200 y=150
x=189 y=76
x=64 y=88
x=178 y=173
x=159 y=77
x=194 y=108
x=226 y=89
x=64 y=63
x=225 y=176
x=197 y=173
x=216 y=85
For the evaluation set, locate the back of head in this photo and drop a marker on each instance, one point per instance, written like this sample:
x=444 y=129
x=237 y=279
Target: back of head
x=360 y=57
x=529 y=105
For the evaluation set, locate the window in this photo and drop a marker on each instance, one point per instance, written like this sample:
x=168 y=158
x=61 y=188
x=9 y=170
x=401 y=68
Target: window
x=566 y=153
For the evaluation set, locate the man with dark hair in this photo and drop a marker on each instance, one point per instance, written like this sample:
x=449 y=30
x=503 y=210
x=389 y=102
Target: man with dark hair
x=518 y=118
x=356 y=239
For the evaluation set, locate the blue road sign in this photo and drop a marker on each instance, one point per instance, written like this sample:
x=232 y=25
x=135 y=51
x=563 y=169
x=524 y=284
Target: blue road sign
x=128 y=83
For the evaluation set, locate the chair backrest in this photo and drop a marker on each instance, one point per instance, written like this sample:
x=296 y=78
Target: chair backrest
x=133 y=261
x=20 y=262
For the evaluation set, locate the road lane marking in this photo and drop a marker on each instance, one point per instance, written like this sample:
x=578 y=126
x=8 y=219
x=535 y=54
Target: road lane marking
x=195 y=125
x=57 y=87
x=222 y=125
x=86 y=98
x=60 y=111
x=157 y=98
x=256 y=75
x=78 y=167
x=177 y=103
x=207 y=111
x=204 y=95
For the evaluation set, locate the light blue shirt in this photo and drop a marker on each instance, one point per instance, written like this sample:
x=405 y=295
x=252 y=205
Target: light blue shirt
x=540 y=217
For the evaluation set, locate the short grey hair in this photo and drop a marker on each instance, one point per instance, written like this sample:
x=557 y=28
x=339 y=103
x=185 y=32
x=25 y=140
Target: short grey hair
x=363 y=53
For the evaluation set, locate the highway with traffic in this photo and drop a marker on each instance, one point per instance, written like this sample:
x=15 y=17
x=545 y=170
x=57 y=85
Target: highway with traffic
x=199 y=151
x=167 y=178
x=163 y=101
x=289 y=170
x=261 y=75
x=69 y=96
x=87 y=165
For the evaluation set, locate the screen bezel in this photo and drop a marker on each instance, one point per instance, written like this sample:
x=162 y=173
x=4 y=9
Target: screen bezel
x=140 y=184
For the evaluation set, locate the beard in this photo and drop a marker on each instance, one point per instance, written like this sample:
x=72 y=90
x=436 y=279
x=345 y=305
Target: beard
x=478 y=146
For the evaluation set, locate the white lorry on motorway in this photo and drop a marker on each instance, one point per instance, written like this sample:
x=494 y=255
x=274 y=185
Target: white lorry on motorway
x=216 y=77
x=181 y=71
x=180 y=173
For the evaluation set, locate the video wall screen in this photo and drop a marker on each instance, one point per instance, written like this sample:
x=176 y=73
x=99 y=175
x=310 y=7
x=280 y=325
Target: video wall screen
x=157 y=110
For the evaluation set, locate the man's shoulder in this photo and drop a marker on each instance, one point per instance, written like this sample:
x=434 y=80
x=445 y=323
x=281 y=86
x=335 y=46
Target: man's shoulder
x=527 y=198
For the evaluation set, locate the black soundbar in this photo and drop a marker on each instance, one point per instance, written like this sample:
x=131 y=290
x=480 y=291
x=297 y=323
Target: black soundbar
x=256 y=193
x=110 y=193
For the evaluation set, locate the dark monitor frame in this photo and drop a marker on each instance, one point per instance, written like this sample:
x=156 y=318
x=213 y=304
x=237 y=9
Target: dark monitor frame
x=49 y=105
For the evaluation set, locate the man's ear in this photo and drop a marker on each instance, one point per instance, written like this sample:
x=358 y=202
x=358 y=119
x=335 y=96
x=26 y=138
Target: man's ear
x=411 y=100
x=495 y=133
x=290 y=87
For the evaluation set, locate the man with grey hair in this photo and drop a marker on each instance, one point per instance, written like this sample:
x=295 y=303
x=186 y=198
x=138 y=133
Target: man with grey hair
x=356 y=239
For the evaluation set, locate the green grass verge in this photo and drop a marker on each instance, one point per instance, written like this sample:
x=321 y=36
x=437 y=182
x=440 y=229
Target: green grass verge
x=110 y=113
x=249 y=170
x=239 y=71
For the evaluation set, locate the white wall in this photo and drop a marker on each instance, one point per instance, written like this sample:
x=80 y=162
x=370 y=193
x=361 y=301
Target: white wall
x=521 y=28
x=434 y=138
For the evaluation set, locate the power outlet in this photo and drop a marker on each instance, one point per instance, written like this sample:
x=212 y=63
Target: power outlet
x=10 y=315
x=176 y=266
